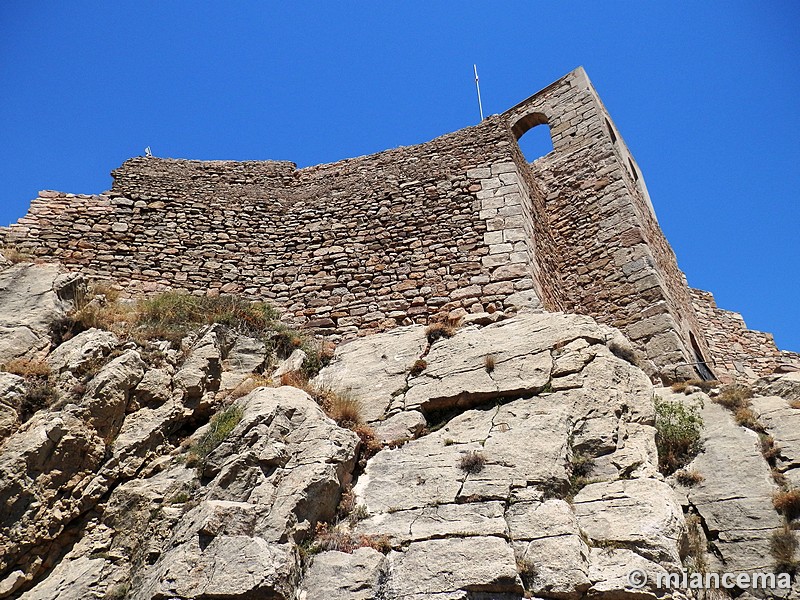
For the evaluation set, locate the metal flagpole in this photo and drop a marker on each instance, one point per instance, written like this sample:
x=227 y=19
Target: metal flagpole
x=478 y=86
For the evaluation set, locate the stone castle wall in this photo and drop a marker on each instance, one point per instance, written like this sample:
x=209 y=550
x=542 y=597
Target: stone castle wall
x=363 y=244
x=736 y=349
x=613 y=260
x=459 y=224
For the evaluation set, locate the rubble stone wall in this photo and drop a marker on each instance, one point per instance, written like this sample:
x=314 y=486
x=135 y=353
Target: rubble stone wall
x=363 y=244
x=736 y=350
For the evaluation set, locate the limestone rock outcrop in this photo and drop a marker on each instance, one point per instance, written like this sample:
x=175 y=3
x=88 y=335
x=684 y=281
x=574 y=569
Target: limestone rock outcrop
x=33 y=298
x=510 y=458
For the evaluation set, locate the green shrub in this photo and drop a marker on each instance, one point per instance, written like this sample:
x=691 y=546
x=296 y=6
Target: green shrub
x=220 y=426
x=678 y=429
x=282 y=341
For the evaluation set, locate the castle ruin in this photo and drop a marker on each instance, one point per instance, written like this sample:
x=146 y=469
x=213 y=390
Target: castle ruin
x=460 y=224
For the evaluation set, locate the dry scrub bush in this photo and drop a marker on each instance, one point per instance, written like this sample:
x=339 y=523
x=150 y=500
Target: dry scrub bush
x=747 y=418
x=783 y=546
x=418 y=367
x=787 y=502
x=344 y=540
x=705 y=386
x=25 y=367
x=734 y=396
x=489 y=362
x=370 y=445
x=688 y=478
x=14 y=256
x=436 y=331
x=472 y=462
x=581 y=466
x=39 y=394
x=769 y=449
x=173 y=315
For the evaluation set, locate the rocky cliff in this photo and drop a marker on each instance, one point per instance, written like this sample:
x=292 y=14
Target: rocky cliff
x=502 y=457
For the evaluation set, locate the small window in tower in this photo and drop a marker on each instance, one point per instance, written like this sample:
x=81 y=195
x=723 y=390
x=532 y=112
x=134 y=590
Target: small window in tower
x=633 y=170
x=611 y=131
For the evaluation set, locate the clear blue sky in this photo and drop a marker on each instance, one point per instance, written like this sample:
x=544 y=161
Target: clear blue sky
x=706 y=95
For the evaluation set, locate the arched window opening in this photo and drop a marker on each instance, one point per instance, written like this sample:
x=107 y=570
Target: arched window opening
x=611 y=131
x=533 y=135
x=633 y=170
x=536 y=143
x=700 y=366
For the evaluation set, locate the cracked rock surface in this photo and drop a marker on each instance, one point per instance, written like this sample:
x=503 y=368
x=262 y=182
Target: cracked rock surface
x=519 y=462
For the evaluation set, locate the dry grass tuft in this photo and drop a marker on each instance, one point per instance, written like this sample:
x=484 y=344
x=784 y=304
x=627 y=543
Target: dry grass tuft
x=418 y=367
x=248 y=385
x=489 y=362
x=787 y=502
x=25 y=367
x=472 y=462
x=342 y=408
x=436 y=331
x=783 y=546
x=343 y=540
x=14 y=256
x=779 y=478
x=769 y=449
x=795 y=403
x=370 y=445
x=705 y=386
x=697 y=543
x=747 y=418
x=734 y=396
x=688 y=478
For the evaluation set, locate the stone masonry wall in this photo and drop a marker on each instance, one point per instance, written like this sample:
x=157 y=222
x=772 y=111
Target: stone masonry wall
x=613 y=259
x=460 y=224
x=359 y=245
x=736 y=350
